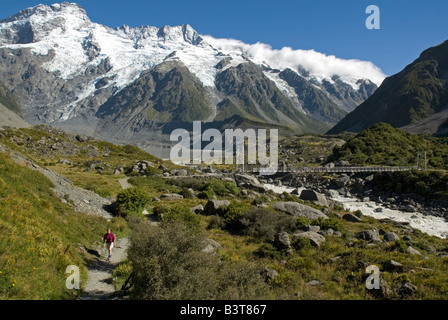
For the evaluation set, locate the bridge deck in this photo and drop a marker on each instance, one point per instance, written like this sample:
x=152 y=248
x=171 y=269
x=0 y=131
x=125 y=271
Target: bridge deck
x=337 y=169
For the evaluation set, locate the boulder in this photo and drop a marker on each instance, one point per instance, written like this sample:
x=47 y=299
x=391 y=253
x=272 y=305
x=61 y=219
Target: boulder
x=212 y=246
x=393 y=266
x=407 y=289
x=269 y=273
x=314 y=283
x=282 y=241
x=391 y=237
x=342 y=181
x=413 y=251
x=299 y=210
x=197 y=209
x=369 y=235
x=315 y=238
x=249 y=182
x=332 y=193
x=311 y=195
x=351 y=218
x=213 y=206
x=171 y=196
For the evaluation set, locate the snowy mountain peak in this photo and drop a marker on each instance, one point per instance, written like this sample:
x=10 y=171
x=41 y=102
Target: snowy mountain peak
x=34 y=24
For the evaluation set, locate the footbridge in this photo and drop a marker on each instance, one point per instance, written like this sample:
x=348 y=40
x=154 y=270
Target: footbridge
x=284 y=169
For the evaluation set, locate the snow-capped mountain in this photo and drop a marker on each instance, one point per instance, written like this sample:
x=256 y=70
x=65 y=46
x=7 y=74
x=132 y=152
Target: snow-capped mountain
x=65 y=69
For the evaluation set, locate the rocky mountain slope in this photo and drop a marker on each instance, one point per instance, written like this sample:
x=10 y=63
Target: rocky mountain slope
x=68 y=71
x=415 y=99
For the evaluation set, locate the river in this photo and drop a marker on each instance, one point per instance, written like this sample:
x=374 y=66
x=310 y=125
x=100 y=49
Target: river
x=434 y=226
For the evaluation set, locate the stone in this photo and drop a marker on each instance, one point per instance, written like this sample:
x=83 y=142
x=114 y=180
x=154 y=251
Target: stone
x=413 y=251
x=299 y=210
x=369 y=235
x=197 y=209
x=171 y=196
x=249 y=182
x=311 y=195
x=312 y=228
x=351 y=218
x=316 y=239
x=269 y=273
x=409 y=208
x=282 y=241
x=213 y=206
x=212 y=246
x=314 y=283
x=332 y=194
x=391 y=237
x=342 y=181
x=407 y=289
x=393 y=266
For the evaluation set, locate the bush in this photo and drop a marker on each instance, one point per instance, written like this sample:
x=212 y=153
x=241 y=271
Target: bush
x=264 y=223
x=219 y=188
x=267 y=250
x=131 y=201
x=330 y=223
x=216 y=222
x=233 y=213
x=179 y=213
x=301 y=244
x=302 y=222
x=169 y=264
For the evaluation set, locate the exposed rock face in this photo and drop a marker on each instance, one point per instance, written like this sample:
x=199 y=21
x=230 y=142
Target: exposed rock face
x=316 y=239
x=299 y=210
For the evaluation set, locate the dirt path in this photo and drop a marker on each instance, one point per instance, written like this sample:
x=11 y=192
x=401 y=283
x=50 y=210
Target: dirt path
x=99 y=284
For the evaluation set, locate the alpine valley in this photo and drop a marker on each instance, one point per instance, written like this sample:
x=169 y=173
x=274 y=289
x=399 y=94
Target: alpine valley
x=133 y=85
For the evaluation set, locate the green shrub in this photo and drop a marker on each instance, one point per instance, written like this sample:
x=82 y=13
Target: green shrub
x=301 y=244
x=330 y=223
x=300 y=263
x=131 y=201
x=264 y=223
x=179 y=213
x=151 y=171
x=267 y=250
x=400 y=245
x=216 y=222
x=233 y=213
x=302 y=222
x=168 y=263
x=219 y=188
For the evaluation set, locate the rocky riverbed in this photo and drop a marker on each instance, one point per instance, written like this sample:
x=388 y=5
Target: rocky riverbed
x=354 y=192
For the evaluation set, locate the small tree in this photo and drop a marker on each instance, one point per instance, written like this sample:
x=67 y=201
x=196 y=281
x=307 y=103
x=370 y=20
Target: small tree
x=131 y=201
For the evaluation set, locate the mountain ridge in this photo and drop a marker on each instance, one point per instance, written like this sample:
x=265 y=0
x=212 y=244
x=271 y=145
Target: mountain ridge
x=416 y=93
x=66 y=70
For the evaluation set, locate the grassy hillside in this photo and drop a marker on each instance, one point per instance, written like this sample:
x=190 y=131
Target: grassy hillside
x=39 y=236
x=384 y=145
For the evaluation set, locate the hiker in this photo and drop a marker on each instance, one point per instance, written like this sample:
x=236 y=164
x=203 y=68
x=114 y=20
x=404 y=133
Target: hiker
x=109 y=241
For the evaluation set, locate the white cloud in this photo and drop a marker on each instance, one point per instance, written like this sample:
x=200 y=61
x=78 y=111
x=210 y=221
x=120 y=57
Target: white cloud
x=316 y=63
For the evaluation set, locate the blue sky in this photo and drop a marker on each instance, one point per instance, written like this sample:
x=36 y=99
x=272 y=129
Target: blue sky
x=328 y=26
